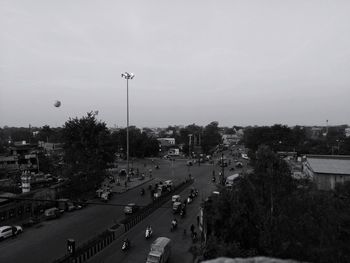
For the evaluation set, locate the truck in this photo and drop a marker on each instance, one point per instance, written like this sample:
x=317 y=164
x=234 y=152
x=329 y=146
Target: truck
x=160 y=250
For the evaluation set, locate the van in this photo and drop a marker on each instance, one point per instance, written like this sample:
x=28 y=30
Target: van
x=160 y=251
x=52 y=213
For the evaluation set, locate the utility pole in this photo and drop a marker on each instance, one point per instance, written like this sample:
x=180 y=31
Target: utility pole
x=222 y=179
x=189 y=145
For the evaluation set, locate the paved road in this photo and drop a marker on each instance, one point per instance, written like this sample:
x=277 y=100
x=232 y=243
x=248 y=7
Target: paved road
x=160 y=221
x=82 y=225
x=48 y=241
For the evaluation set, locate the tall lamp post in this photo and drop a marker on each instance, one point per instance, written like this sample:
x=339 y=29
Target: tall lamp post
x=127 y=76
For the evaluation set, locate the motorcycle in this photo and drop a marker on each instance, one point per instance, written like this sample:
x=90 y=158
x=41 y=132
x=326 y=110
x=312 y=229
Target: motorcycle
x=148 y=233
x=182 y=213
x=173 y=226
x=189 y=200
x=126 y=245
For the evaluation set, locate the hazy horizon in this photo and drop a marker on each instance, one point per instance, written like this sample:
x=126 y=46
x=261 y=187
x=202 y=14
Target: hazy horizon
x=236 y=62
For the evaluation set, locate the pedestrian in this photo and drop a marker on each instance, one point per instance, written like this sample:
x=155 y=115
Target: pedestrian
x=192 y=229
x=14 y=230
x=197 y=220
x=125 y=183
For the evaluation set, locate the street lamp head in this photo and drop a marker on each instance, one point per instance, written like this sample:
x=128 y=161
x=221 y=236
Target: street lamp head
x=127 y=75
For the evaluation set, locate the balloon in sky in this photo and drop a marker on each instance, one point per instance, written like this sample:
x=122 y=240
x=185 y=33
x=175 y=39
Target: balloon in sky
x=57 y=103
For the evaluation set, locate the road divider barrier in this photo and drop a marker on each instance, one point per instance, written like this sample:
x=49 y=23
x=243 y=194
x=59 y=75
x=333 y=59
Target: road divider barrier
x=90 y=248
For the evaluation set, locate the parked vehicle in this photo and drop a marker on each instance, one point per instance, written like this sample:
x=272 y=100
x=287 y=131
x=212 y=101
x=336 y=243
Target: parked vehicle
x=9 y=231
x=239 y=165
x=65 y=205
x=160 y=250
x=52 y=213
x=130 y=208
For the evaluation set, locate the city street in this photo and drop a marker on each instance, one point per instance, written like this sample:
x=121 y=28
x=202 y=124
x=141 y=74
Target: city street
x=160 y=222
x=51 y=236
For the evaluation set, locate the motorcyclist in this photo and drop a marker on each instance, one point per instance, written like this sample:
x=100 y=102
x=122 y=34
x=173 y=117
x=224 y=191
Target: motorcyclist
x=174 y=222
x=126 y=244
x=142 y=191
x=148 y=231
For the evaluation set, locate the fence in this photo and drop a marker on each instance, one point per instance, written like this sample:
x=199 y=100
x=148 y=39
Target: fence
x=147 y=210
x=90 y=248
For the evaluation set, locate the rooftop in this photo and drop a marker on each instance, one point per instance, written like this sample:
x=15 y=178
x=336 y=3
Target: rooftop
x=329 y=164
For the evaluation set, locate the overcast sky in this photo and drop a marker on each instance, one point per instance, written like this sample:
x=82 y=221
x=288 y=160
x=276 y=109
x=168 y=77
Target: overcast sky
x=235 y=62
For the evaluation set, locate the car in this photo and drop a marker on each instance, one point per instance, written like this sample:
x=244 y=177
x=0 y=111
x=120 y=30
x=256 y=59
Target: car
x=9 y=231
x=239 y=165
x=130 y=208
x=52 y=213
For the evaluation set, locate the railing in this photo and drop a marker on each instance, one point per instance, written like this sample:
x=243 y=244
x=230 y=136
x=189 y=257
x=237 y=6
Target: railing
x=90 y=248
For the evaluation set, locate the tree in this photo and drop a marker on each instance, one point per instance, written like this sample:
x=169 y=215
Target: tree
x=140 y=144
x=211 y=136
x=265 y=213
x=87 y=150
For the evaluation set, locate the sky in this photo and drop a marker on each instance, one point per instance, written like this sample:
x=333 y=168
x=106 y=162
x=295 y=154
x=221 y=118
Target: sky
x=236 y=62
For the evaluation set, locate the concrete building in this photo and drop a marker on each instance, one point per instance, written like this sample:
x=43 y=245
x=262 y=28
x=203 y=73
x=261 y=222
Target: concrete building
x=327 y=170
x=228 y=139
x=166 y=141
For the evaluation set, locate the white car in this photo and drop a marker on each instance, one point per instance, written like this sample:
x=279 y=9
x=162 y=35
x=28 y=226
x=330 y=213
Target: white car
x=9 y=231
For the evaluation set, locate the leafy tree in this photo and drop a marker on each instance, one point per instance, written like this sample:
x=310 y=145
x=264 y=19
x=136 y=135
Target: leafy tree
x=265 y=213
x=87 y=150
x=211 y=137
x=140 y=144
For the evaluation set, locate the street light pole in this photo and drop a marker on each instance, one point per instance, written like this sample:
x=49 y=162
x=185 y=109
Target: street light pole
x=127 y=76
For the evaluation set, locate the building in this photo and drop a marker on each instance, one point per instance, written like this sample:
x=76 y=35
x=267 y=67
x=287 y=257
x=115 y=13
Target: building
x=51 y=147
x=167 y=146
x=347 y=132
x=166 y=141
x=327 y=170
x=228 y=139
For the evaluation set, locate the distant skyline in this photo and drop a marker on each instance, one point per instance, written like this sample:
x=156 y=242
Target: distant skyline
x=235 y=62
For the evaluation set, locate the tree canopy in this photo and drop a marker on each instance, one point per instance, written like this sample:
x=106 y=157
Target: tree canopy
x=268 y=213
x=87 y=150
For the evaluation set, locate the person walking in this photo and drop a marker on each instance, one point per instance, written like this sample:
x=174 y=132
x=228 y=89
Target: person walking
x=197 y=220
